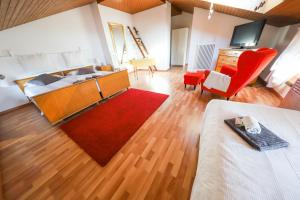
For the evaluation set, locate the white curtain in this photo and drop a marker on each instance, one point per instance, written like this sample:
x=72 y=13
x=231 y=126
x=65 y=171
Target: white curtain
x=287 y=65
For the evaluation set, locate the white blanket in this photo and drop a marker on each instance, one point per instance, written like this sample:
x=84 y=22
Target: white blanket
x=35 y=90
x=229 y=169
x=218 y=81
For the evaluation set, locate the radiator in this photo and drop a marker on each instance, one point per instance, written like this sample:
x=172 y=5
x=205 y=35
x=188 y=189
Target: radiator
x=204 y=56
x=292 y=99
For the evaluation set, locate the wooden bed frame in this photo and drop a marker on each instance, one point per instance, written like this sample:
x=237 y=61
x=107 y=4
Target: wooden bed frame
x=113 y=83
x=64 y=102
x=61 y=103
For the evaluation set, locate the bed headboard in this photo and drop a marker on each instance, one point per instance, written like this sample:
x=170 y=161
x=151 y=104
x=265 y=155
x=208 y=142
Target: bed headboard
x=21 y=82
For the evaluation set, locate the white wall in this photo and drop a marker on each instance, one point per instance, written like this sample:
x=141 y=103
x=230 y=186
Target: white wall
x=182 y=21
x=283 y=37
x=110 y=15
x=154 y=26
x=66 y=31
x=218 y=31
x=101 y=32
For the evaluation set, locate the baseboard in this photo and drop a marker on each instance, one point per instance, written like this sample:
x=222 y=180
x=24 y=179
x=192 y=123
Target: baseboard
x=15 y=108
x=177 y=65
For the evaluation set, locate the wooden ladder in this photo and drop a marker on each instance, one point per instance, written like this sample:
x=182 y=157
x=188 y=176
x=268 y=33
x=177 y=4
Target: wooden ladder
x=139 y=42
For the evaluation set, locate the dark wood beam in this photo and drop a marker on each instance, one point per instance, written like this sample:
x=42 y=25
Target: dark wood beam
x=175 y=11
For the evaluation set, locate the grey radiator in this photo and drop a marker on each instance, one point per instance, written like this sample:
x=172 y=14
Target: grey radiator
x=204 y=56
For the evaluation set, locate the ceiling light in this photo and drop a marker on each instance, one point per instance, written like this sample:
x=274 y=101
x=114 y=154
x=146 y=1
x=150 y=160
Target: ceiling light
x=211 y=10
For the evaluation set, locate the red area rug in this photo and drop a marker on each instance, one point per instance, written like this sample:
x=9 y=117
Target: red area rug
x=102 y=131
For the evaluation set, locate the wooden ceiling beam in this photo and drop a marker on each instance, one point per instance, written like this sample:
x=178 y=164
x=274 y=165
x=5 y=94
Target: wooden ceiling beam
x=286 y=13
x=175 y=11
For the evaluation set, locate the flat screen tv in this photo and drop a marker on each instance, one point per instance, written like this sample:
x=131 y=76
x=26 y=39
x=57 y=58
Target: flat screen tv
x=247 y=35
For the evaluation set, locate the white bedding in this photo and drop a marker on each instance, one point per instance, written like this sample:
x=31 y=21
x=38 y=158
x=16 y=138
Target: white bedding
x=34 y=90
x=228 y=168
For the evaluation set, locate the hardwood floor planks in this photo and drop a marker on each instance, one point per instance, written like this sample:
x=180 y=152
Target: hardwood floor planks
x=39 y=161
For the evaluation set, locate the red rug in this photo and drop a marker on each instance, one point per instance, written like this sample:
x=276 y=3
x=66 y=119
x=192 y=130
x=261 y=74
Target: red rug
x=102 y=131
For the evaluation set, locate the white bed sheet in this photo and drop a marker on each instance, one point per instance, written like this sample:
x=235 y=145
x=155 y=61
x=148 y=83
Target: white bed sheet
x=228 y=168
x=31 y=91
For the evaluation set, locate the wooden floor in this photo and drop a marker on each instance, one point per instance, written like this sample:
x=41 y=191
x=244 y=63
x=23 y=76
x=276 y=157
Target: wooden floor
x=39 y=161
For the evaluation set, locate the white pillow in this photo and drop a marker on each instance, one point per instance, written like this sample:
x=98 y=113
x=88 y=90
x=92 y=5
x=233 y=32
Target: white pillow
x=5 y=53
x=11 y=69
x=55 y=61
x=72 y=73
x=42 y=63
x=34 y=64
x=73 y=58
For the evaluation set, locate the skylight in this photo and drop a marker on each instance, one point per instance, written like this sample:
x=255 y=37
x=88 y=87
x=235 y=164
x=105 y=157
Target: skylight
x=243 y=4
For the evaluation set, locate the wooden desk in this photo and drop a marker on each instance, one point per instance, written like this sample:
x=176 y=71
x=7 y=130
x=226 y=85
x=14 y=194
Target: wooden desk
x=145 y=63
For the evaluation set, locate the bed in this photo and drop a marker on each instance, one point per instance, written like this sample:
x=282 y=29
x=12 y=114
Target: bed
x=73 y=93
x=228 y=168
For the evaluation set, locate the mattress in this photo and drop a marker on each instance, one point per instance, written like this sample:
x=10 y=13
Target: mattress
x=35 y=90
x=228 y=168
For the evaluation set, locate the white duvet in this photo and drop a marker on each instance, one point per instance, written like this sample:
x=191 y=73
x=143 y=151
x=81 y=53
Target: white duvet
x=35 y=90
x=228 y=168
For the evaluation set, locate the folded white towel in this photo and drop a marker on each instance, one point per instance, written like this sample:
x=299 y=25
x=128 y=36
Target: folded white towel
x=218 y=81
x=250 y=123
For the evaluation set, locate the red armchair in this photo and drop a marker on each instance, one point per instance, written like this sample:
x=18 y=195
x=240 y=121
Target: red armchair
x=249 y=66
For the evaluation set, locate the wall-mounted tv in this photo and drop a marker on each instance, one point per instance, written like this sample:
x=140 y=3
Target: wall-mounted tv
x=247 y=35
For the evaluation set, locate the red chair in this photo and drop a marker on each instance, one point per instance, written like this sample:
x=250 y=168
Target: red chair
x=193 y=78
x=249 y=66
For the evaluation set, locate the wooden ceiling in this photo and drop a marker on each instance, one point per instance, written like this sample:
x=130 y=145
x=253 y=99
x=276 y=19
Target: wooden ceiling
x=131 y=6
x=284 y=14
x=188 y=6
x=16 y=12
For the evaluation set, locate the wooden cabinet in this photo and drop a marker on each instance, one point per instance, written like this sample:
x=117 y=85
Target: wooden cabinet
x=228 y=57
